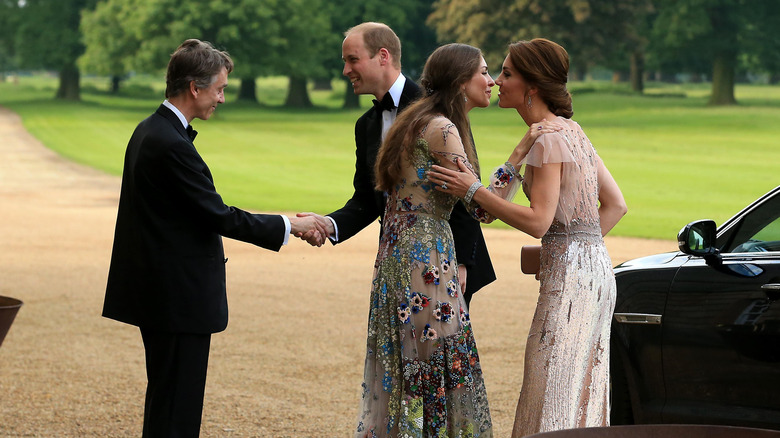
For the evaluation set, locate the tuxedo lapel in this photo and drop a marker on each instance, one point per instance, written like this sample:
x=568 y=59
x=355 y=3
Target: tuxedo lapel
x=171 y=117
x=373 y=136
x=410 y=93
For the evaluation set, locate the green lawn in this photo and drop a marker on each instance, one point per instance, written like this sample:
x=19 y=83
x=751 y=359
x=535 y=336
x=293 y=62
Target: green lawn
x=675 y=159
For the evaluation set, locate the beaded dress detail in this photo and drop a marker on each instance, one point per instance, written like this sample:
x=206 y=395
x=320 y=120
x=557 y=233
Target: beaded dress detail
x=422 y=375
x=566 y=369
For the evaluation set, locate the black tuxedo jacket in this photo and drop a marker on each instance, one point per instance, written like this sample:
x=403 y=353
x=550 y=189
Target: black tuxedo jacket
x=367 y=204
x=167 y=269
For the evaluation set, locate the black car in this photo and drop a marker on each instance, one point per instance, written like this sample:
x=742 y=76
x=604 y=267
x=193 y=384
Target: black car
x=696 y=333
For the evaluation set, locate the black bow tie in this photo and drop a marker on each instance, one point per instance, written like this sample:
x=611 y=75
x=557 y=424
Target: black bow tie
x=386 y=104
x=191 y=132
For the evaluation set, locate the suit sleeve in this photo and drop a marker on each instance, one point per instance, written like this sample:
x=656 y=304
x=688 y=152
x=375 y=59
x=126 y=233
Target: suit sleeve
x=361 y=209
x=188 y=181
x=467 y=235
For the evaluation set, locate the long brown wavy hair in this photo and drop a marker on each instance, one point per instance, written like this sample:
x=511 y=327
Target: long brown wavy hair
x=446 y=70
x=544 y=64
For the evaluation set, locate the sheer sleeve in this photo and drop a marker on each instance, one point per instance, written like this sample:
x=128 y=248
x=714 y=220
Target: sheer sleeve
x=548 y=148
x=446 y=143
x=572 y=150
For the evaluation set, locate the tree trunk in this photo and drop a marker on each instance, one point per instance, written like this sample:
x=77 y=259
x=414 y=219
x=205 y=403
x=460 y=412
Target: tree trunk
x=638 y=71
x=351 y=100
x=323 y=84
x=724 y=64
x=723 y=71
x=619 y=76
x=297 y=94
x=69 y=83
x=247 y=91
x=116 y=80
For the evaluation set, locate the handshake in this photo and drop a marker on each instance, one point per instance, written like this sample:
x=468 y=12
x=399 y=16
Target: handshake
x=311 y=227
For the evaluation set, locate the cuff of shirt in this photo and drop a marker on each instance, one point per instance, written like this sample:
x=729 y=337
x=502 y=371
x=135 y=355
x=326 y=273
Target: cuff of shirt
x=287 y=229
x=335 y=236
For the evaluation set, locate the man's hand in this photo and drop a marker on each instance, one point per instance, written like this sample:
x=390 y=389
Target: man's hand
x=308 y=228
x=321 y=223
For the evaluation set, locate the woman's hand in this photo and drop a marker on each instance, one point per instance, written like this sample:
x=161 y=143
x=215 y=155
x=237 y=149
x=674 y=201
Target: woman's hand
x=450 y=181
x=528 y=140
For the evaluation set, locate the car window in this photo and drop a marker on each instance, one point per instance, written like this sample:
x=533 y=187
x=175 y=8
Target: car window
x=757 y=231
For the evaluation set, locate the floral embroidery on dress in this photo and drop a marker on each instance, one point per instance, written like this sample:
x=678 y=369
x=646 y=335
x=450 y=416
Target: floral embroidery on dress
x=387 y=382
x=452 y=288
x=406 y=204
x=429 y=334
x=410 y=387
x=502 y=177
x=413 y=415
x=419 y=301
x=431 y=275
x=464 y=318
x=443 y=312
x=445 y=267
x=481 y=214
x=403 y=313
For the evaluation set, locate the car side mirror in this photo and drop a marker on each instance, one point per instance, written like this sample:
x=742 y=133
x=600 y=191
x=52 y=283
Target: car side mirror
x=698 y=239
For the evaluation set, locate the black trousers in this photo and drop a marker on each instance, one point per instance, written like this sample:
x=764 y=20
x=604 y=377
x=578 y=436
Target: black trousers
x=176 y=365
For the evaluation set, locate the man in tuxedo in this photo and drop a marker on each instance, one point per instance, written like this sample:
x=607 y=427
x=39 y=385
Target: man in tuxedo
x=372 y=61
x=167 y=272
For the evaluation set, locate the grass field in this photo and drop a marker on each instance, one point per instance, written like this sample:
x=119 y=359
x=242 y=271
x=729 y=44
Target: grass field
x=675 y=159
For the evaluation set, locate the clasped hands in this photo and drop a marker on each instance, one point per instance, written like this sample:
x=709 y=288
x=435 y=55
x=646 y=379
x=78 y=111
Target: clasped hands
x=311 y=227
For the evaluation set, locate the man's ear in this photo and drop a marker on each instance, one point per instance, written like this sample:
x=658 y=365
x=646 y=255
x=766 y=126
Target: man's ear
x=384 y=56
x=194 y=90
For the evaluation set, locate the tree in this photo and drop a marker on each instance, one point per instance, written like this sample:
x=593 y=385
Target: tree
x=719 y=31
x=9 y=14
x=305 y=43
x=109 y=47
x=405 y=17
x=590 y=30
x=264 y=37
x=48 y=37
x=624 y=30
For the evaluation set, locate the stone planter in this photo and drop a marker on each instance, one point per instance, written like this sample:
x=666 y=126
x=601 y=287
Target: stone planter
x=8 y=308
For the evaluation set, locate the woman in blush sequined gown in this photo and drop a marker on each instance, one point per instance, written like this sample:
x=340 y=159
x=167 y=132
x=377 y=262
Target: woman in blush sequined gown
x=422 y=374
x=574 y=201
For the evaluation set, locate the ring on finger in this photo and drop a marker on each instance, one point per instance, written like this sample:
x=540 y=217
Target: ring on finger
x=539 y=128
x=444 y=186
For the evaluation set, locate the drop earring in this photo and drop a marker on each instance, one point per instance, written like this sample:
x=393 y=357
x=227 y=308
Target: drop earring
x=530 y=104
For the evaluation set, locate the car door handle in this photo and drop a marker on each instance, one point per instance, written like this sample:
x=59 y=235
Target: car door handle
x=638 y=318
x=772 y=291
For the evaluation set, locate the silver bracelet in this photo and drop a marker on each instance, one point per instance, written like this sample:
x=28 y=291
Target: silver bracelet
x=472 y=190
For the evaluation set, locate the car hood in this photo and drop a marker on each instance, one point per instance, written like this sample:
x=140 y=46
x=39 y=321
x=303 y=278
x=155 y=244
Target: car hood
x=664 y=260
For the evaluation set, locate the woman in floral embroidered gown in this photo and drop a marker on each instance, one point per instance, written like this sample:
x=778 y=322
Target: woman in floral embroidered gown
x=422 y=375
x=574 y=201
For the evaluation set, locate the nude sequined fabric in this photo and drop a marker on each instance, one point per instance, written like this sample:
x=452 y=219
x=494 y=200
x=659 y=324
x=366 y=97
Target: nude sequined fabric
x=566 y=368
